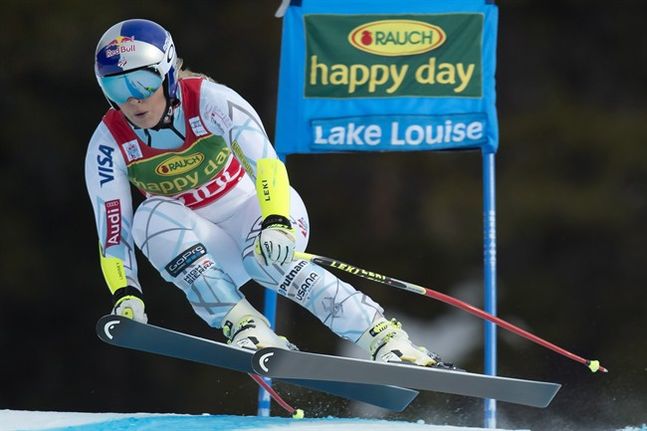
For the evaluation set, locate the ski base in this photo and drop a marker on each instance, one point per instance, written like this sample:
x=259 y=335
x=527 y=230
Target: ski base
x=277 y=363
x=123 y=332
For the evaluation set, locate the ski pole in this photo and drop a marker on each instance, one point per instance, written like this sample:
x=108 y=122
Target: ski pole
x=593 y=365
x=296 y=413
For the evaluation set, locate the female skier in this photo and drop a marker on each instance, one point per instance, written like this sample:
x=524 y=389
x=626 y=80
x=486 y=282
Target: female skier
x=219 y=209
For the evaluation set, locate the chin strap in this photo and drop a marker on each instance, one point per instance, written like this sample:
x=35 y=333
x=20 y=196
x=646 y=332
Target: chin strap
x=166 y=122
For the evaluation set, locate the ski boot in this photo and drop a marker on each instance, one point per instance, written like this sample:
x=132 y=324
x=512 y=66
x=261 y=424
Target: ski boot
x=245 y=327
x=386 y=341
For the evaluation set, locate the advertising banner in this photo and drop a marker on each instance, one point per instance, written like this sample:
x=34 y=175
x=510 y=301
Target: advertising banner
x=379 y=75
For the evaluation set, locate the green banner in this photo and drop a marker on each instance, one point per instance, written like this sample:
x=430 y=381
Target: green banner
x=429 y=55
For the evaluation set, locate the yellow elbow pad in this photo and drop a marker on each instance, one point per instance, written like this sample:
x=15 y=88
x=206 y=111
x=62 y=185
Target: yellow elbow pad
x=272 y=187
x=113 y=271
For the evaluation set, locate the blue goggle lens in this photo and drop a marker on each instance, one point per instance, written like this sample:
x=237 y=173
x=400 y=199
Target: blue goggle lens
x=139 y=84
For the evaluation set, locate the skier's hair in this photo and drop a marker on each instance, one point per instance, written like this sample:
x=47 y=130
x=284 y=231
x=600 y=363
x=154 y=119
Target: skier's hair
x=187 y=73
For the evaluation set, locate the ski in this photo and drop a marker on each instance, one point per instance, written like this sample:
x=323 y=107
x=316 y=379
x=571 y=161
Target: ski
x=123 y=332
x=282 y=364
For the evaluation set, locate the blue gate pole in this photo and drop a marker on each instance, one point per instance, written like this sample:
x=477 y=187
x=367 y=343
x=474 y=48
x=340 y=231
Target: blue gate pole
x=269 y=310
x=489 y=274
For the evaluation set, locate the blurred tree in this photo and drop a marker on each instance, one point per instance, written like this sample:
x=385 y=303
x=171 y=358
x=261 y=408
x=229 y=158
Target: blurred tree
x=572 y=173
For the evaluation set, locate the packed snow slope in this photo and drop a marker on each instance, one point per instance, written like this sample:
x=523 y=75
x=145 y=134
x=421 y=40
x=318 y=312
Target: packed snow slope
x=18 y=420
x=12 y=420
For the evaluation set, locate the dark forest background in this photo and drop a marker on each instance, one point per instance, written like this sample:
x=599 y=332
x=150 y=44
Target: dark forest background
x=571 y=200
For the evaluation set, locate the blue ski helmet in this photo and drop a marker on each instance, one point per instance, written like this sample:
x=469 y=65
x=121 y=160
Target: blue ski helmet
x=133 y=59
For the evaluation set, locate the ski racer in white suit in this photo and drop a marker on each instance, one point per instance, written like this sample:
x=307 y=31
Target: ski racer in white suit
x=219 y=209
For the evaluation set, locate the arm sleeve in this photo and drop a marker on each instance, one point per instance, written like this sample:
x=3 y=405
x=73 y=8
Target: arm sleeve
x=227 y=114
x=106 y=180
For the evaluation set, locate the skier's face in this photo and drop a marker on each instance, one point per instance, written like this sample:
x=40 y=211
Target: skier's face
x=145 y=113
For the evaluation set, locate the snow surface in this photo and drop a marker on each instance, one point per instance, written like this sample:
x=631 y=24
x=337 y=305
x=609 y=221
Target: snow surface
x=17 y=420
x=11 y=420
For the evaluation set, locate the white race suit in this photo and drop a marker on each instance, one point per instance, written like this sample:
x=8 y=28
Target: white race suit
x=201 y=214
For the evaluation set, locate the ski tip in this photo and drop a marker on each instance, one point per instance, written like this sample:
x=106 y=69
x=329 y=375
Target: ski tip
x=105 y=325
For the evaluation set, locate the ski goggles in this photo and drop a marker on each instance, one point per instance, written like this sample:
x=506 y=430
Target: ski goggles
x=140 y=84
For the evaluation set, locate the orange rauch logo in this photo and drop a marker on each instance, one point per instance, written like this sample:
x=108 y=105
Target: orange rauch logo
x=395 y=37
x=177 y=165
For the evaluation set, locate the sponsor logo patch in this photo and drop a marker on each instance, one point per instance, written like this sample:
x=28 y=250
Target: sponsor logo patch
x=197 y=127
x=120 y=45
x=395 y=37
x=219 y=119
x=113 y=223
x=303 y=227
x=177 y=165
x=305 y=285
x=197 y=270
x=105 y=164
x=132 y=150
x=283 y=287
x=176 y=172
x=185 y=259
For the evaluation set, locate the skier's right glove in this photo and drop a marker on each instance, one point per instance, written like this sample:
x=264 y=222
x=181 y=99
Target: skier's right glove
x=129 y=302
x=275 y=244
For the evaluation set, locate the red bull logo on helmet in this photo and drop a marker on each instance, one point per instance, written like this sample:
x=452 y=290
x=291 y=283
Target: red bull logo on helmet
x=120 y=45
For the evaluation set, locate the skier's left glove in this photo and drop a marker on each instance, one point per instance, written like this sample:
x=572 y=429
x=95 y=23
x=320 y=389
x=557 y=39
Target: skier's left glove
x=275 y=244
x=129 y=302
